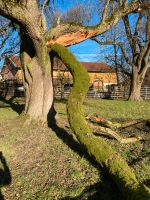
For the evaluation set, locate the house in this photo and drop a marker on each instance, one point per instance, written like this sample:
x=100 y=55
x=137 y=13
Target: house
x=11 y=70
x=101 y=75
x=11 y=78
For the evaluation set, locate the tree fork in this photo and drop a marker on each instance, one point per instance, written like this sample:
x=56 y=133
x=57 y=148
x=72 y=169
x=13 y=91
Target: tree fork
x=115 y=165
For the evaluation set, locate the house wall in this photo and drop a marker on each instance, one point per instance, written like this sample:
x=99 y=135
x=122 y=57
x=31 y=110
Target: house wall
x=99 y=80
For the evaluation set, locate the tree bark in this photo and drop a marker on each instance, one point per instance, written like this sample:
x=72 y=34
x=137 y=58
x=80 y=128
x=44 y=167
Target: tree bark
x=37 y=80
x=117 y=167
x=135 y=87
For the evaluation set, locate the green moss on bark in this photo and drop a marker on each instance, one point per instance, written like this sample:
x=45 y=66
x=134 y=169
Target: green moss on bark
x=116 y=166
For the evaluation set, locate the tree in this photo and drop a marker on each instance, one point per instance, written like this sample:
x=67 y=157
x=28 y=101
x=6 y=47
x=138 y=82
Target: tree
x=136 y=53
x=36 y=45
x=140 y=48
x=36 y=41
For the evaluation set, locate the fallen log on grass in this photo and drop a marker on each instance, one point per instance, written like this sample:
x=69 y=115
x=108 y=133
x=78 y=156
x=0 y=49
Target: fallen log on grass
x=107 y=123
x=114 y=134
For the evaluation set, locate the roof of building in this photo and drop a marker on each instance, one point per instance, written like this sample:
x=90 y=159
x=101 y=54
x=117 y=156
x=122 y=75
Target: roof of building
x=97 y=67
x=15 y=60
x=90 y=66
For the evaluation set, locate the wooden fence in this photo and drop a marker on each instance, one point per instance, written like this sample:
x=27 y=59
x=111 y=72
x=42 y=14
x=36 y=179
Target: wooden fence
x=11 y=90
x=115 y=94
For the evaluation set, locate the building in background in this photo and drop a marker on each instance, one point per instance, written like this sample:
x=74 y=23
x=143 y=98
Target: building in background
x=102 y=76
x=11 y=78
x=11 y=70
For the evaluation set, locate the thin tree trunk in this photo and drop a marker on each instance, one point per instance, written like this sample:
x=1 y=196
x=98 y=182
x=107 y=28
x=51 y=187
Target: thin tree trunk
x=115 y=165
x=135 y=87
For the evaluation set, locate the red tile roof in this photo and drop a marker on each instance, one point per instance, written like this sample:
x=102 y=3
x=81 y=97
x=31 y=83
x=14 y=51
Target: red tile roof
x=97 y=67
x=90 y=66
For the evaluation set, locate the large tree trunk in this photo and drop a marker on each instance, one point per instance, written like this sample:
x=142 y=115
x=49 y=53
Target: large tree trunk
x=37 y=80
x=115 y=165
x=135 y=87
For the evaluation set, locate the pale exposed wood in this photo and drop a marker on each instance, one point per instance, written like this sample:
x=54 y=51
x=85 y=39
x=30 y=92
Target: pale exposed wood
x=114 y=134
x=72 y=38
x=104 y=122
x=68 y=34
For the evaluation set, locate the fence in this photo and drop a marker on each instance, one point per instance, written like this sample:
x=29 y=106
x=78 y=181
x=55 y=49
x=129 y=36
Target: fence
x=11 y=90
x=117 y=93
x=145 y=93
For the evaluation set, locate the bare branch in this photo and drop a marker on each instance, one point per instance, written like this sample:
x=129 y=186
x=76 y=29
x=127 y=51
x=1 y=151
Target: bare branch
x=69 y=34
x=138 y=24
x=143 y=57
x=120 y=44
x=128 y=32
x=105 y=10
x=5 y=27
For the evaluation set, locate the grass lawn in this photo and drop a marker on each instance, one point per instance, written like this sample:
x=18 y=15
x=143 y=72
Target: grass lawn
x=49 y=164
x=113 y=109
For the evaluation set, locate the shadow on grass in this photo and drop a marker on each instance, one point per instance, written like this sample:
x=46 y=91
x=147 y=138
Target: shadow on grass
x=105 y=189
x=18 y=108
x=5 y=175
x=98 y=191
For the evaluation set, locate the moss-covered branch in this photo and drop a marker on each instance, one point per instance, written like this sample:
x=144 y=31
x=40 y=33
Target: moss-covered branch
x=116 y=166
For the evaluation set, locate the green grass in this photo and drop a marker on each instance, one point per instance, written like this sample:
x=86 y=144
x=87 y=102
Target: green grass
x=46 y=166
x=113 y=109
x=6 y=111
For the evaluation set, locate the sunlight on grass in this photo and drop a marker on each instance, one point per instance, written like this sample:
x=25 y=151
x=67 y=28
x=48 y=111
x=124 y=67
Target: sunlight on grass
x=112 y=109
x=44 y=167
x=6 y=112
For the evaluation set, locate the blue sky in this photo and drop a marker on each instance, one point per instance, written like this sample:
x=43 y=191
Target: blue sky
x=88 y=50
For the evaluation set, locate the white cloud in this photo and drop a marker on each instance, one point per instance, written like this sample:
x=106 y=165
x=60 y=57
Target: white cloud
x=87 y=57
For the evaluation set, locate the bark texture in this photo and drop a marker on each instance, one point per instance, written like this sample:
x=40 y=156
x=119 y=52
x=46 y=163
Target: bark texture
x=35 y=59
x=140 y=54
x=37 y=80
x=117 y=167
x=136 y=83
